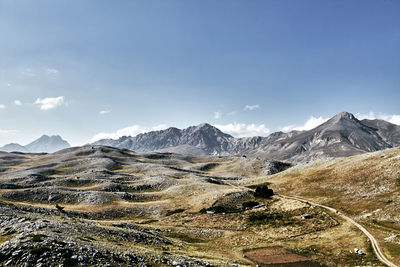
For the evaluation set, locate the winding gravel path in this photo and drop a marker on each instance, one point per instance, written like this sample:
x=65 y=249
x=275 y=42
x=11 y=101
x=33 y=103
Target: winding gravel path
x=374 y=243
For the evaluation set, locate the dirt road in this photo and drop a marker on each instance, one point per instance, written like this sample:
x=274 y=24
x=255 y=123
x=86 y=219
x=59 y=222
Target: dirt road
x=374 y=243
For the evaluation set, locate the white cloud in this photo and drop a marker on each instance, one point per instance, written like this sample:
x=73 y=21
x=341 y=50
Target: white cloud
x=128 y=131
x=395 y=118
x=159 y=127
x=243 y=130
x=2 y=106
x=370 y=116
x=49 y=102
x=102 y=112
x=231 y=113
x=217 y=115
x=311 y=123
x=18 y=102
x=251 y=107
x=52 y=71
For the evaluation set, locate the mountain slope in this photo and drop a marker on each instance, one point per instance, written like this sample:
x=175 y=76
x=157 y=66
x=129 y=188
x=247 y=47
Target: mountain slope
x=204 y=136
x=389 y=132
x=342 y=135
x=45 y=143
x=13 y=147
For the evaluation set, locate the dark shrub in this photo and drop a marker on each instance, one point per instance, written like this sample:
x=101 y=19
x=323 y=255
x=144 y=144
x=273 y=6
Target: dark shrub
x=263 y=191
x=249 y=204
x=217 y=209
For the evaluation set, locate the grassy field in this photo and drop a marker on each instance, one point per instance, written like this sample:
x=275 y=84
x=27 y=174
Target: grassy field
x=365 y=187
x=204 y=205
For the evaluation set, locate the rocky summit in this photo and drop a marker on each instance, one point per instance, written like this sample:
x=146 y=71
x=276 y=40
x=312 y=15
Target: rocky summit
x=342 y=135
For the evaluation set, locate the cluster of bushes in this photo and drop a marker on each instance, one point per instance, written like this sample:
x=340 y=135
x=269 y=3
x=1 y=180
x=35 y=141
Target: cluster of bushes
x=263 y=191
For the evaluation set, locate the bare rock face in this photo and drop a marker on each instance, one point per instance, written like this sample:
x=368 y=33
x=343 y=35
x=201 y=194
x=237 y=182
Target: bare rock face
x=342 y=135
x=389 y=132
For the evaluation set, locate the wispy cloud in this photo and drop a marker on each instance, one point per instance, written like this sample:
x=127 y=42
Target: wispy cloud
x=28 y=72
x=7 y=132
x=102 y=112
x=243 y=130
x=18 y=102
x=49 y=102
x=394 y=118
x=159 y=127
x=2 y=106
x=128 y=131
x=217 y=115
x=251 y=107
x=52 y=71
x=311 y=123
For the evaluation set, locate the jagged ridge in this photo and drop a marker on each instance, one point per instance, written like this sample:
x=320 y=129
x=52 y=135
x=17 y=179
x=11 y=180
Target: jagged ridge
x=342 y=135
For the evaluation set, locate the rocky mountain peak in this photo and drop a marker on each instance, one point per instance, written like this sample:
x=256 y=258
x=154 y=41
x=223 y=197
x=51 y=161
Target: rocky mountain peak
x=342 y=135
x=344 y=116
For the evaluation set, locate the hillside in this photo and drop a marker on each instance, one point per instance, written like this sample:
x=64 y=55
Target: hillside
x=366 y=187
x=97 y=205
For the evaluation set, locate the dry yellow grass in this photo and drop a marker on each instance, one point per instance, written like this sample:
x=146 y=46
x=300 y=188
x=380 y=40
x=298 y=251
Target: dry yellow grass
x=175 y=208
x=366 y=187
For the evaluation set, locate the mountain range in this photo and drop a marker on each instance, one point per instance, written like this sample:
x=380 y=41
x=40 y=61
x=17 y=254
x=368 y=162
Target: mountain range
x=342 y=135
x=45 y=143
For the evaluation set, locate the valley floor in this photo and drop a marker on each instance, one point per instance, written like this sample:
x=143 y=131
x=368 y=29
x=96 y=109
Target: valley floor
x=98 y=205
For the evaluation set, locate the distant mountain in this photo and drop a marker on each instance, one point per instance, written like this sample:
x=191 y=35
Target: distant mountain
x=45 y=143
x=389 y=132
x=204 y=137
x=342 y=135
x=14 y=147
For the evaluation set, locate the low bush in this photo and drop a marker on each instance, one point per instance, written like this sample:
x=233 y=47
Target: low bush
x=263 y=191
x=249 y=204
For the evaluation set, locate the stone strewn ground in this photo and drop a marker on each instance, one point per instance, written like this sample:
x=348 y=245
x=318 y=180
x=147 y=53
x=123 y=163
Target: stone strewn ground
x=103 y=206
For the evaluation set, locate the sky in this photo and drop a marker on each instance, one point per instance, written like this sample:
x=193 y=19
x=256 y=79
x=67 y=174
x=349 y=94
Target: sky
x=93 y=69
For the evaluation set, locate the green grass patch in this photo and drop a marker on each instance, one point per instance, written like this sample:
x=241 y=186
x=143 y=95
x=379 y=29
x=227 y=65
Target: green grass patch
x=37 y=238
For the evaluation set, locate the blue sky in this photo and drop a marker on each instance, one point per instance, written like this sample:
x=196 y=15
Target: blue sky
x=152 y=64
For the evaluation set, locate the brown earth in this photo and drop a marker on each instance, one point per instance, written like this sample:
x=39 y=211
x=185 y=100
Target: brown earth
x=278 y=257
